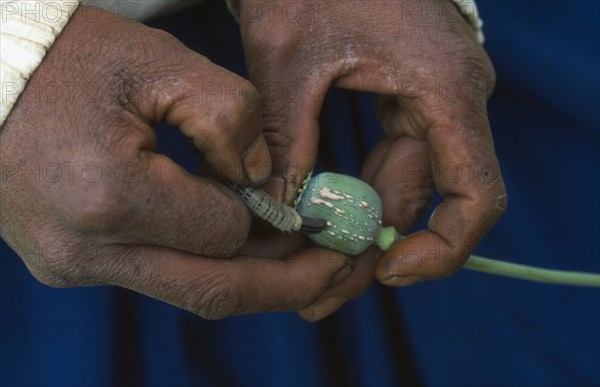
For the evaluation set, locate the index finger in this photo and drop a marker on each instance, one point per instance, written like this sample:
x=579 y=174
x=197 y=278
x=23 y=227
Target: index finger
x=467 y=174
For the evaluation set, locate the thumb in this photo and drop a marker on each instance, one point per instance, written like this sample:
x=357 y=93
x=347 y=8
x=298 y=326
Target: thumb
x=291 y=103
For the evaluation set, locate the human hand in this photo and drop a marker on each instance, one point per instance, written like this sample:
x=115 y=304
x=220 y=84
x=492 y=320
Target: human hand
x=86 y=201
x=433 y=78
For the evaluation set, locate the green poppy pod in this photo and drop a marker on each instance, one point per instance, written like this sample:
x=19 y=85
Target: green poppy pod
x=351 y=208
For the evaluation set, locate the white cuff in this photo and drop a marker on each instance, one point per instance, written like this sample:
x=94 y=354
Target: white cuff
x=140 y=9
x=28 y=30
x=468 y=9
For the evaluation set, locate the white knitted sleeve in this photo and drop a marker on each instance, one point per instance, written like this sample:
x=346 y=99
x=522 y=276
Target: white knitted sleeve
x=140 y=9
x=468 y=9
x=27 y=30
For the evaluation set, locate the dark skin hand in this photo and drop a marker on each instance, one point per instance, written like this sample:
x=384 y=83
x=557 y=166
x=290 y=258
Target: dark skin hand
x=85 y=200
x=433 y=79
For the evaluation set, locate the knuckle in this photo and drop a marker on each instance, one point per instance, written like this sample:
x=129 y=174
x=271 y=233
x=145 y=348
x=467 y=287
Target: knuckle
x=241 y=104
x=133 y=79
x=126 y=89
x=492 y=188
x=50 y=280
x=473 y=67
x=233 y=232
x=279 y=140
x=465 y=59
x=216 y=304
x=478 y=69
x=52 y=256
x=100 y=208
x=153 y=43
x=228 y=119
x=214 y=296
x=250 y=95
x=469 y=64
x=58 y=266
x=159 y=36
x=492 y=199
x=272 y=125
x=229 y=131
x=273 y=40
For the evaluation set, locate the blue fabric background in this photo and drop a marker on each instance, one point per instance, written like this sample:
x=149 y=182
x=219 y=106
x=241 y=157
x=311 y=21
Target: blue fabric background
x=468 y=330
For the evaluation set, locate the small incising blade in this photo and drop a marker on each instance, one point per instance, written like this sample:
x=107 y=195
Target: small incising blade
x=312 y=225
x=277 y=214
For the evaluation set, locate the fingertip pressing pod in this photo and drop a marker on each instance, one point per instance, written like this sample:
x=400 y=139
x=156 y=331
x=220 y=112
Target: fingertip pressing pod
x=352 y=209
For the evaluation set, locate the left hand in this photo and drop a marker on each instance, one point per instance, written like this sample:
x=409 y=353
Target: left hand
x=135 y=218
x=433 y=78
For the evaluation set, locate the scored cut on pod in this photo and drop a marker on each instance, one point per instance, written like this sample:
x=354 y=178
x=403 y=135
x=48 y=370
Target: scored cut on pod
x=352 y=209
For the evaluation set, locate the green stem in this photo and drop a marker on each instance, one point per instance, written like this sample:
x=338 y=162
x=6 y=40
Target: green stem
x=388 y=236
x=531 y=273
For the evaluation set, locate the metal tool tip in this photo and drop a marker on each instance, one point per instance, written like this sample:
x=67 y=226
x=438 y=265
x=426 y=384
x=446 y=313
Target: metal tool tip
x=312 y=225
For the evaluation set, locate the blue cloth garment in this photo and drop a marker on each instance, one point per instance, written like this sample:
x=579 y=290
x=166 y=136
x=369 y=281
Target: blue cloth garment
x=468 y=330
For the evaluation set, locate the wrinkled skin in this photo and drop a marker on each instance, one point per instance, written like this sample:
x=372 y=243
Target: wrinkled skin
x=433 y=79
x=86 y=201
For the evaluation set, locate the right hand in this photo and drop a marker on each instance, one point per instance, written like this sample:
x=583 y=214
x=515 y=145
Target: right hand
x=432 y=78
x=86 y=201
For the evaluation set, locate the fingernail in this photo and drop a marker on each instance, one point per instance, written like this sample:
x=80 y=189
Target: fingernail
x=399 y=280
x=326 y=307
x=257 y=161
